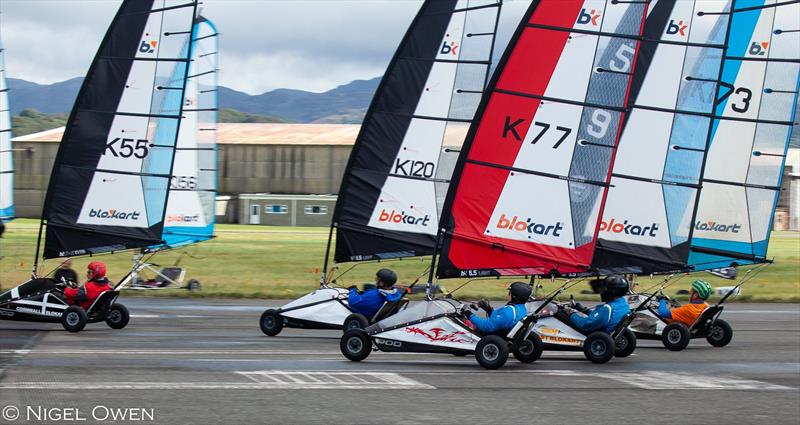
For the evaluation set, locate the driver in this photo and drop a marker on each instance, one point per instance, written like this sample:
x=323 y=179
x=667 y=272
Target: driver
x=94 y=286
x=504 y=318
x=688 y=313
x=605 y=316
x=369 y=301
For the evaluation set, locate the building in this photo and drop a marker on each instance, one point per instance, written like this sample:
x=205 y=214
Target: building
x=286 y=210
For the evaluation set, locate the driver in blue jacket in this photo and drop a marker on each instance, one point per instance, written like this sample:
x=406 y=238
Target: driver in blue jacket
x=504 y=318
x=608 y=315
x=369 y=301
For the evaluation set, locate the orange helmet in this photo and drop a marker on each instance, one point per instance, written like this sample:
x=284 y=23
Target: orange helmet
x=98 y=269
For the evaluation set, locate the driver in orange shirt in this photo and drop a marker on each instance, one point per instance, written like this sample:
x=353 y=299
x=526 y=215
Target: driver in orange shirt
x=687 y=314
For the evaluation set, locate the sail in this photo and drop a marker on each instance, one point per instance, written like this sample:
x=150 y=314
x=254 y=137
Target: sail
x=6 y=153
x=395 y=180
x=109 y=184
x=656 y=176
x=532 y=177
x=193 y=187
x=750 y=135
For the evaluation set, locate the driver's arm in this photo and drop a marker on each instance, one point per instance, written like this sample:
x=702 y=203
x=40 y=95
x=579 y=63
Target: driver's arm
x=495 y=321
x=663 y=309
x=595 y=318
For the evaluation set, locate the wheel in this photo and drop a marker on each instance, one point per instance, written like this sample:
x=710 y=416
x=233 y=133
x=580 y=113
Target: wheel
x=118 y=316
x=720 y=333
x=675 y=336
x=271 y=322
x=193 y=285
x=599 y=347
x=355 y=345
x=625 y=344
x=529 y=350
x=74 y=318
x=355 y=321
x=492 y=352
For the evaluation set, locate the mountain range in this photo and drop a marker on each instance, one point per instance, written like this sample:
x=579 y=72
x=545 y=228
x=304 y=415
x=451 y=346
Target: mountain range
x=345 y=104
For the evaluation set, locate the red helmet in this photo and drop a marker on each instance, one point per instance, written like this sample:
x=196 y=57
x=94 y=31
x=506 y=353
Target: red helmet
x=98 y=269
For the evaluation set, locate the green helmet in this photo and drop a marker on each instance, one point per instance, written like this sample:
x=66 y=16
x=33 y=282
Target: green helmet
x=702 y=288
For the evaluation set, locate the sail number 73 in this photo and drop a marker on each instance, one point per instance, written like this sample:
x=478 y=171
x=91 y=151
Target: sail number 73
x=126 y=148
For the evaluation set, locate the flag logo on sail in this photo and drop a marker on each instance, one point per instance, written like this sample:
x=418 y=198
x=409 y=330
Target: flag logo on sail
x=677 y=28
x=590 y=17
x=758 y=49
x=148 y=46
x=614 y=226
x=528 y=225
x=712 y=226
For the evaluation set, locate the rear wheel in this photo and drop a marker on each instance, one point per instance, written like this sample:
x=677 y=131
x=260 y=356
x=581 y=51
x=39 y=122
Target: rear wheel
x=720 y=333
x=118 y=316
x=599 y=347
x=355 y=321
x=74 y=318
x=193 y=285
x=355 y=345
x=271 y=322
x=675 y=336
x=529 y=350
x=492 y=352
x=625 y=344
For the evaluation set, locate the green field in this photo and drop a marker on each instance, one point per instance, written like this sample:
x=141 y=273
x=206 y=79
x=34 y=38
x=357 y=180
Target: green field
x=285 y=262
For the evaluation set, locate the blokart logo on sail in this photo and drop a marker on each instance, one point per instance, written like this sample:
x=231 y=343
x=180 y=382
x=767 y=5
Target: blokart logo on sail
x=758 y=49
x=450 y=48
x=614 y=226
x=148 y=46
x=677 y=28
x=182 y=218
x=114 y=214
x=529 y=226
x=591 y=17
x=712 y=226
x=401 y=217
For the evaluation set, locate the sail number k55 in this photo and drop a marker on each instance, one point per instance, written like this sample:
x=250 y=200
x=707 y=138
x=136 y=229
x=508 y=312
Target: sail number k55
x=126 y=148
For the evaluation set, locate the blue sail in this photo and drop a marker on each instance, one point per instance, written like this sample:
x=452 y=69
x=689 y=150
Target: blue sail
x=6 y=153
x=749 y=137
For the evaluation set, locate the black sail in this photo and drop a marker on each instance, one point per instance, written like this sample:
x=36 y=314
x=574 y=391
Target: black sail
x=397 y=175
x=109 y=185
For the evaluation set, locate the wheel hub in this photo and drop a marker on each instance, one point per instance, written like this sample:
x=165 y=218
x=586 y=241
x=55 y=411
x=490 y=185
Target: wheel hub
x=716 y=333
x=491 y=352
x=269 y=322
x=598 y=348
x=73 y=319
x=354 y=344
x=526 y=348
x=115 y=316
x=674 y=336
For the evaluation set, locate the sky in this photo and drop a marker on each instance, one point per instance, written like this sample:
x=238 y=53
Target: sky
x=312 y=45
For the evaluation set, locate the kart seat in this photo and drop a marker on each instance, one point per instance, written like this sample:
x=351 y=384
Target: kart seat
x=171 y=273
x=622 y=325
x=388 y=309
x=102 y=303
x=701 y=325
x=564 y=318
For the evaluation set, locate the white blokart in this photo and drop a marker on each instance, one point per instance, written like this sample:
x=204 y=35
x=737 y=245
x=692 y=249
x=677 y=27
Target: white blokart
x=438 y=326
x=558 y=333
x=325 y=308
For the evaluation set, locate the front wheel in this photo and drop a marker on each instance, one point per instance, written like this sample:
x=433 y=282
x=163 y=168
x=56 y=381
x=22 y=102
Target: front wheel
x=675 y=336
x=625 y=344
x=193 y=285
x=355 y=345
x=271 y=322
x=355 y=321
x=118 y=316
x=720 y=333
x=74 y=318
x=599 y=347
x=529 y=350
x=492 y=352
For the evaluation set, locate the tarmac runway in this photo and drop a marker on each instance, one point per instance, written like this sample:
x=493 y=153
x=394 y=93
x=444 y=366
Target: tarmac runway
x=206 y=361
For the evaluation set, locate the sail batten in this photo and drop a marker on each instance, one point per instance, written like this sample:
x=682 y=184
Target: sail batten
x=7 y=210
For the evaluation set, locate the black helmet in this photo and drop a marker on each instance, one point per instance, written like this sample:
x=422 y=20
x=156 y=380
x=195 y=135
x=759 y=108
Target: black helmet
x=388 y=277
x=615 y=287
x=520 y=292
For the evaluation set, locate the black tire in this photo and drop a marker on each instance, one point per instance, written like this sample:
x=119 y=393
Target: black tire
x=625 y=344
x=492 y=352
x=74 y=318
x=529 y=350
x=355 y=321
x=118 y=316
x=599 y=347
x=355 y=345
x=193 y=285
x=271 y=322
x=675 y=336
x=720 y=333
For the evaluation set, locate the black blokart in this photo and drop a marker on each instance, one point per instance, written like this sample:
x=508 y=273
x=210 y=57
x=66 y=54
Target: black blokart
x=42 y=300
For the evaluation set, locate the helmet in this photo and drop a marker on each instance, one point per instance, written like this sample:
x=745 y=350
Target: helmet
x=702 y=288
x=520 y=292
x=615 y=287
x=98 y=269
x=387 y=276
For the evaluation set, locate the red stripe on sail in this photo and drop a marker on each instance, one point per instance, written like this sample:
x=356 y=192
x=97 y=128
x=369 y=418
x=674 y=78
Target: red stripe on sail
x=529 y=70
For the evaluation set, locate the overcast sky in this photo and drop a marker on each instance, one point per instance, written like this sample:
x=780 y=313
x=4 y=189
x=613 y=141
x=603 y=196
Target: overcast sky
x=311 y=45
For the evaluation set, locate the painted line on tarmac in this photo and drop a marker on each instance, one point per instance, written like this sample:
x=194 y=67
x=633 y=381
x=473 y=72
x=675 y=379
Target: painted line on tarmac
x=193 y=352
x=167 y=316
x=792 y=312
x=676 y=380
